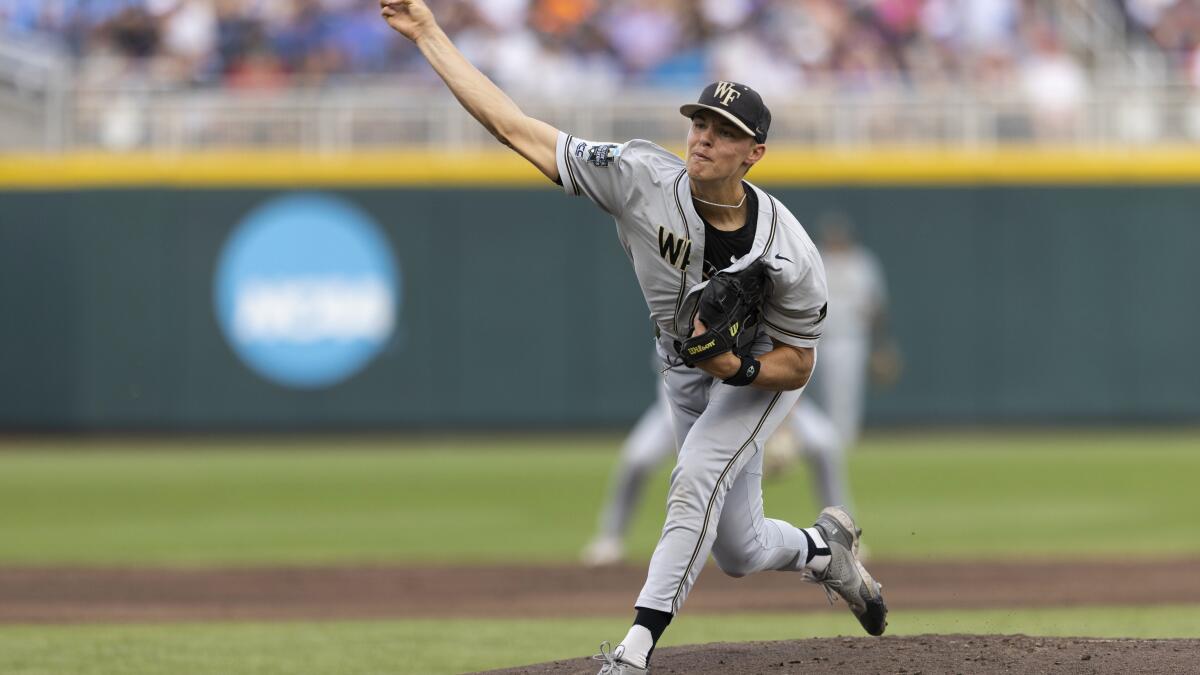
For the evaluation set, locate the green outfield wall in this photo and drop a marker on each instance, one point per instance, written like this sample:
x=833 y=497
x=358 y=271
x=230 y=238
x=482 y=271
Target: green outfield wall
x=515 y=306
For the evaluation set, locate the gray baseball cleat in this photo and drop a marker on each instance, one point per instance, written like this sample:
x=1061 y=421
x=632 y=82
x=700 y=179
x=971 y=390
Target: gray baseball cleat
x=613 y=665
x=845 y=576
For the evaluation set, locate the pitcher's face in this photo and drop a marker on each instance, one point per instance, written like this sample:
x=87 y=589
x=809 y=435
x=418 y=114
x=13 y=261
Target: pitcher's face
x=718 y=150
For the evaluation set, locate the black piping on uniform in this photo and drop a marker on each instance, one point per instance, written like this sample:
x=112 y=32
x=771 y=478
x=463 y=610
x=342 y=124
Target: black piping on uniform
x=791 y=334
x=683 y=272
x=774 y=226
x=713 y=498
x=567 y=163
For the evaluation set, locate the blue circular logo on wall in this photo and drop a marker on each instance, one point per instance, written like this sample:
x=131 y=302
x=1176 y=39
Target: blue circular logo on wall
x=306 y=290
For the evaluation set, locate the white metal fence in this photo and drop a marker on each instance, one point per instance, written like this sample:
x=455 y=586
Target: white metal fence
x=34 y=90
x=42 y=109
x=388 y=115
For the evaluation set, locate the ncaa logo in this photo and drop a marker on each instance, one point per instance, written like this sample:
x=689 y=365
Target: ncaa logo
x=306 y=290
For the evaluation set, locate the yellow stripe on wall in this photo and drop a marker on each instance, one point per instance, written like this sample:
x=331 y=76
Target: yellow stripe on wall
x=1007 y=166
x=266 y=169
x=503 y=168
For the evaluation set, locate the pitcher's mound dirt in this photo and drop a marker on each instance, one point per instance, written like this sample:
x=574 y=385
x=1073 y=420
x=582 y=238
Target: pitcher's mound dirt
x=923 y=654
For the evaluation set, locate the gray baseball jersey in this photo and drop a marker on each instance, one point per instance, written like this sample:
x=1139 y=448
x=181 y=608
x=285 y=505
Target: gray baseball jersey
x=646 y=190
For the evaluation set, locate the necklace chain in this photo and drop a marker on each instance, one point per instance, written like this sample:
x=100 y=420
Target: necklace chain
x=723 y=206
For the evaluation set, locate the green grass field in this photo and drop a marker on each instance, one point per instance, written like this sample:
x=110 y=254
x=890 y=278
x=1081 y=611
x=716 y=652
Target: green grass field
x=209 y=502
x=202 y=502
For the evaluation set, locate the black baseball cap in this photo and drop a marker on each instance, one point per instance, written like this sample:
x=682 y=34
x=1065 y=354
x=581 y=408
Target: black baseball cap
x=738 y=104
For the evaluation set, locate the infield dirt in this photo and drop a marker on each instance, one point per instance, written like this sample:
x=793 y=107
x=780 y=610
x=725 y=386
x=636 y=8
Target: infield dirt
x=78 y=595
x=53 y=595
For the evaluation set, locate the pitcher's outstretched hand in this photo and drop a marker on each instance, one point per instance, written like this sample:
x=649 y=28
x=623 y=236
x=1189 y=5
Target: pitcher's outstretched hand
x=410 y=18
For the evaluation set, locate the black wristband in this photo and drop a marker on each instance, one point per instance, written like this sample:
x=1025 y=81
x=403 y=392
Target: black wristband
x=746 y=372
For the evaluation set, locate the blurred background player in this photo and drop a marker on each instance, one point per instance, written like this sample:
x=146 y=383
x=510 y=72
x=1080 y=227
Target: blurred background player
x=856 y=342
x=809 y=433
x=648 y=445
x=857 y=346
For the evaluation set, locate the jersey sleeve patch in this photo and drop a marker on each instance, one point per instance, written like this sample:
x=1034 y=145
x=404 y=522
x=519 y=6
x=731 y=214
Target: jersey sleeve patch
x=598 y=155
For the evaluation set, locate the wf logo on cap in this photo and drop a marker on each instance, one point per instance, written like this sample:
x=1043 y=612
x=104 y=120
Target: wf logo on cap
x=737 y=103
x=726 y=93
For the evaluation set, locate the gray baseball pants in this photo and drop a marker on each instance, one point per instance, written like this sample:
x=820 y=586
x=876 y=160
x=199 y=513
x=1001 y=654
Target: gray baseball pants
x=715 y=500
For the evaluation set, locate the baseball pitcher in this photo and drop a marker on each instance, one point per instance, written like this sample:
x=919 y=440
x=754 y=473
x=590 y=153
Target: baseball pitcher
x=736 y=290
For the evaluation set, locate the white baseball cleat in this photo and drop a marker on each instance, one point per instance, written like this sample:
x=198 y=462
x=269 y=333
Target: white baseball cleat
x=613 y=665
x=603 y=551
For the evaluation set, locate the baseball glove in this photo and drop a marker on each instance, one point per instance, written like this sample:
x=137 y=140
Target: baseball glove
x=729 y=307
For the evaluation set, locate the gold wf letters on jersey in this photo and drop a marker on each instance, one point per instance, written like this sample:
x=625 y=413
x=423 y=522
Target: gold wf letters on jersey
x=726 y=93
x=674 y=251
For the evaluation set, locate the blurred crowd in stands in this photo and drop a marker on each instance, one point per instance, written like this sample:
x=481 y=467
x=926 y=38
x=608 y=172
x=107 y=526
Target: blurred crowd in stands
x=590 y=48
